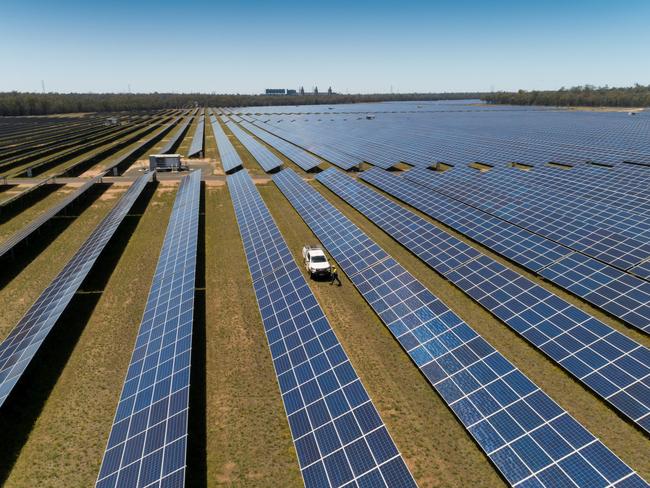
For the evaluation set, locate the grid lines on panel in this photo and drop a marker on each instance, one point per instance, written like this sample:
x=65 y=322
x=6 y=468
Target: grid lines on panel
x=148 y=440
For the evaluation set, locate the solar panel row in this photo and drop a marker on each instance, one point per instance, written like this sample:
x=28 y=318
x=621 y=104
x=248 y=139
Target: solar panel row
x=470 y=134
x=266 y=159
x=196 y=147
x=533 y=201
x=9 y=245
x=296 y=154
x=338 y=434
x=327 y=152
x=108 y=142
x=177 y=136
x=116 y=165
x=606 y=361
x=621 y=294
x=148 y=440
x=355 y=149
x=529 y=438
x=230 y=159
x=25 y=339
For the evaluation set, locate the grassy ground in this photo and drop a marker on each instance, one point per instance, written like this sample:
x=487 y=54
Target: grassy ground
x=65 y=445
x=624 y=439
x=248 y=439
x=23 y=217
x=210 y=147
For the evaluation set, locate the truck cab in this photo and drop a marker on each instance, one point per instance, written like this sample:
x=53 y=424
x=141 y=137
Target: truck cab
x=316 y=262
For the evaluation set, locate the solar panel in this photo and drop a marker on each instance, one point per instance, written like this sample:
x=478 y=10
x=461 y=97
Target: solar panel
x=627 y=296
x=466 y=134
x=296 y=154
x=24 y=341
x=331 y=153
x=266 y=159
x=604 y=360
x=230 y=159
x=528 y=437
x=607 y=233
x=519 y=245
x=177 y=136
x=642 y=270
x=196 y=147
x=338 y=434
x=148 y=440
x=617 y=292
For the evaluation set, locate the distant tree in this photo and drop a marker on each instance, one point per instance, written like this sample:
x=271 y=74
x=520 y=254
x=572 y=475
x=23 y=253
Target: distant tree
x=302 y=90
x=587 y=96
x=17 y=103
x=329 y=90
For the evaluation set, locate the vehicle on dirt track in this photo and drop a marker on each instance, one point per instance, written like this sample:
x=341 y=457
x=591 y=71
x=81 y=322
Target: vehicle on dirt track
x=316 y=261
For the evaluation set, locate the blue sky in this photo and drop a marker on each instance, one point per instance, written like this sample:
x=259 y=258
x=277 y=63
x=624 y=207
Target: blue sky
x=246 y=46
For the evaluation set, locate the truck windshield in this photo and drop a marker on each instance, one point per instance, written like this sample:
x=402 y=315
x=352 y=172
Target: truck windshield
x=318 y=259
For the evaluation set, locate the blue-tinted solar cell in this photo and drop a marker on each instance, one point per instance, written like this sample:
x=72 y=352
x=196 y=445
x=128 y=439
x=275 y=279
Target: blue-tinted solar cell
x=154 y=402
x=338 y=434
x=519 y=409
x=642 y=270
x=25 y=339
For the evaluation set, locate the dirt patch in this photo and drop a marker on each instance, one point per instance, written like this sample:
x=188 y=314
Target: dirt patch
x=215 y=183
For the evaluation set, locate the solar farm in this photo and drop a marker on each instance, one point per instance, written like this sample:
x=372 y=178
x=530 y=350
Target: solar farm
x=491 y=326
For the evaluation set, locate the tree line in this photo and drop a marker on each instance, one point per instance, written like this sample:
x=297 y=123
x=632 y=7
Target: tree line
x=20 y=103
x=577 y=96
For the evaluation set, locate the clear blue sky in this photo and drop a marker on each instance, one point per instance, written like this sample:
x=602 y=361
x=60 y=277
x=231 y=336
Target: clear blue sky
x=354 y=46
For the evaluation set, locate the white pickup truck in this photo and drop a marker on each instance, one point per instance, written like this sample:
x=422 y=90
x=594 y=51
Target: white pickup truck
x=315 y=261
